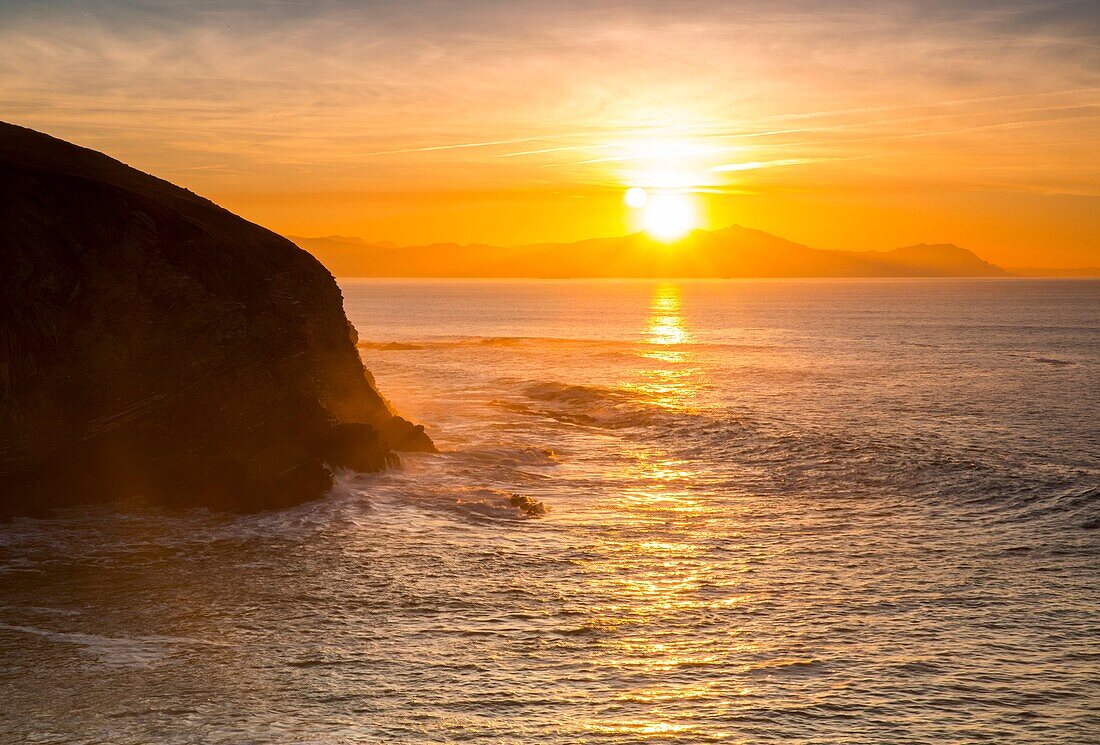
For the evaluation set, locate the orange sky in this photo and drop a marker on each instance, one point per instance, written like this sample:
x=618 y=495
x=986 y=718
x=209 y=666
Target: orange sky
x=839 y=125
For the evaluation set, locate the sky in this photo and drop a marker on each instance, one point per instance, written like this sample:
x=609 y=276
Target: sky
x=852 y=125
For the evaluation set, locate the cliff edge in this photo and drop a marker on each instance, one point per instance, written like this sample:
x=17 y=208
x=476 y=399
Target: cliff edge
x=155 y=344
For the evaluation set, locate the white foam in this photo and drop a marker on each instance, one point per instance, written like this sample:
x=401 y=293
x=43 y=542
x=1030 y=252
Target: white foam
x=140 y=651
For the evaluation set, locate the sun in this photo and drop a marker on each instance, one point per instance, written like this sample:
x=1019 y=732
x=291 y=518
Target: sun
x=636 y=197
x=664 y=216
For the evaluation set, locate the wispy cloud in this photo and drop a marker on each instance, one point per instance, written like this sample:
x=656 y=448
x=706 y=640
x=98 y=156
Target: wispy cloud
x=753 y=165
x=566 y=96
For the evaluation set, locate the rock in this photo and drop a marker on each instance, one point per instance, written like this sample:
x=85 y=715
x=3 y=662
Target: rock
x=153 y=343
x=357 y=446
x=528 y=505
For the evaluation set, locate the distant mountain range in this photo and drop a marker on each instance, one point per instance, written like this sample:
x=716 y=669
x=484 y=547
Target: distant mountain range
x=730 y=252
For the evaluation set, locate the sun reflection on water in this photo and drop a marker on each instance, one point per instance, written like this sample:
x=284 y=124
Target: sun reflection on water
x=671 y=380
x=666 y=324
x=657 y=568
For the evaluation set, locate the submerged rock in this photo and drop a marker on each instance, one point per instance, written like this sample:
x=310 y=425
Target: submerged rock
x=154 y=343
x=528 y=505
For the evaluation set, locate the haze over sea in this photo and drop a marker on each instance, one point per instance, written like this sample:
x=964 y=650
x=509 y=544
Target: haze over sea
x=776 y=511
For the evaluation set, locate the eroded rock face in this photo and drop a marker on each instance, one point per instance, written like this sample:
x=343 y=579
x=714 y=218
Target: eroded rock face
x=153 y=343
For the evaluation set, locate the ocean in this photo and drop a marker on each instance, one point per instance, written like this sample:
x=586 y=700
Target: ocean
x=820 y=511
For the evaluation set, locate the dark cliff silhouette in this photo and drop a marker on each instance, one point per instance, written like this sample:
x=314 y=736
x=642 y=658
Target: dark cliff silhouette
x=153 y=343
x=731 y=252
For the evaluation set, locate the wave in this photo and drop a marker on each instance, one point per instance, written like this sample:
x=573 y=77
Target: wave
x=436 y=484
x=138 y=651
x=476 y=502
x=392 y=346
x=515 y=456
x=584 y=405
x=1043 y=359
x=488 y=341
x=550 y=341
x=802 y=458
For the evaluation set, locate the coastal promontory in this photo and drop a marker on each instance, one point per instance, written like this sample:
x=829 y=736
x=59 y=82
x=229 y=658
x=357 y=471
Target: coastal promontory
x=155 y=345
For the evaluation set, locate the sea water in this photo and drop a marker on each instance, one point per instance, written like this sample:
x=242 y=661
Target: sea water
x=832 y=511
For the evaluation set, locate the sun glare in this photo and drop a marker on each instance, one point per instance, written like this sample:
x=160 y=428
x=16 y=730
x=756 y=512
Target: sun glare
x=668 y=217
x=636 y=197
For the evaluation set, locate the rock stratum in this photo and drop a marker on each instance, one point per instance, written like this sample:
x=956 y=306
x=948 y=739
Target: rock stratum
x=155 y=344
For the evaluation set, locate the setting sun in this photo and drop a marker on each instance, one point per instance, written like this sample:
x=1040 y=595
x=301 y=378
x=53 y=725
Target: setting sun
x=636 y=197
x=666 y=217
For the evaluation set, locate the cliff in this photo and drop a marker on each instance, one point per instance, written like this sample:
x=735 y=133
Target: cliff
x=153 y=343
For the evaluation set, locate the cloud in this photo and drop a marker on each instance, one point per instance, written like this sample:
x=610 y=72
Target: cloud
x=312 y=95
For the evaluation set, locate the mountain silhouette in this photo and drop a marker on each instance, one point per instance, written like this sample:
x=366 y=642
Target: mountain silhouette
x=735 y=251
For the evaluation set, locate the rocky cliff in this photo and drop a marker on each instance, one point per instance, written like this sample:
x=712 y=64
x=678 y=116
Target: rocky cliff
x=152 y=343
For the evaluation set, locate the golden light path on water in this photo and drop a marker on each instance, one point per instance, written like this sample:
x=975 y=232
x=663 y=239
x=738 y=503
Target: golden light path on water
x=671 y=379
x=650 y=583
